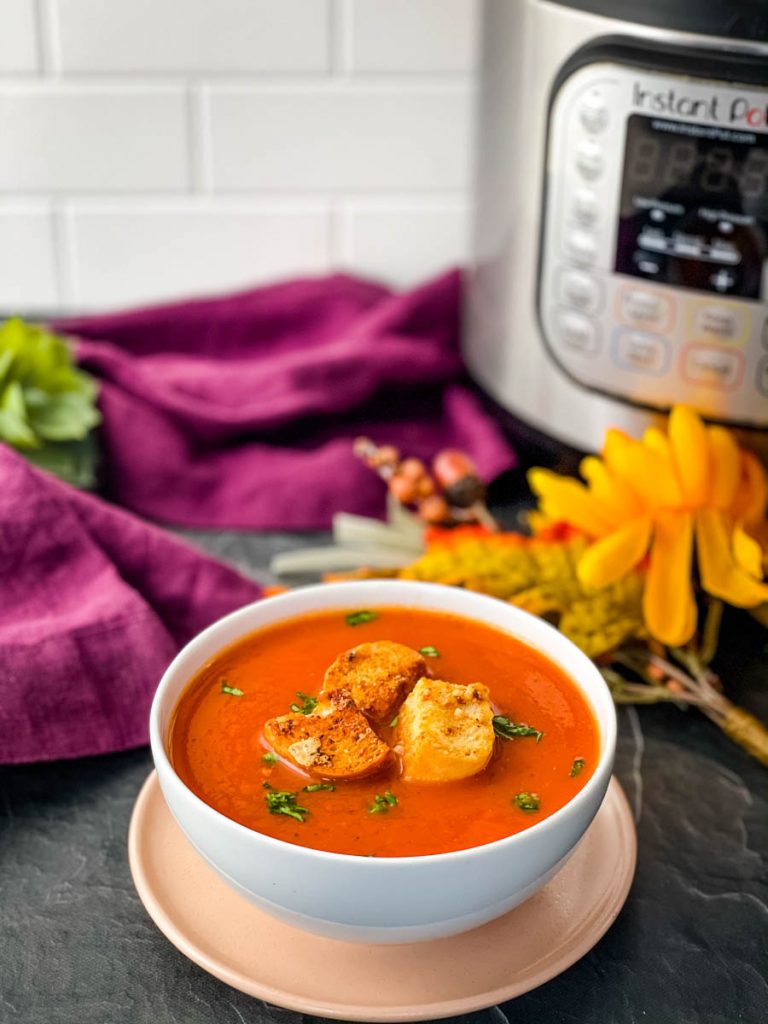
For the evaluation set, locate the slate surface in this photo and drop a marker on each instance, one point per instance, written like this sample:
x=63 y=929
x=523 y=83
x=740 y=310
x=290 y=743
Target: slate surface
x=690 y=946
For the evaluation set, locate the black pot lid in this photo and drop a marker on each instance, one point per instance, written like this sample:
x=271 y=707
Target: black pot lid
x=725 y=19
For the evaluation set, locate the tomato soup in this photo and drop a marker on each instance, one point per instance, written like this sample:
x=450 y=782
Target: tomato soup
x=217 y=745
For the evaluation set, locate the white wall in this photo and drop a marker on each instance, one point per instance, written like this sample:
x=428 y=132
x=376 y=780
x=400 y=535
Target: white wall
x=159 y=148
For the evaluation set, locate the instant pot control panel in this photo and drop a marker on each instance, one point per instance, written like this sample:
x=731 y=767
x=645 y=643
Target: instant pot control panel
x=654 y=262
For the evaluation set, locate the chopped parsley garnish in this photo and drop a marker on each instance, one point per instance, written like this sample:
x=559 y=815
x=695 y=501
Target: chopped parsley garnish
x=429 y=652
x=382 y=803
x=269 y=757
x=307 y=706
x=267 y=785
x=359 y=618
x=394 y=721
x=282 y=802
x=233 y=691
x=576 y=767
x=527 y=801
x=507 y=730
x=317 y=786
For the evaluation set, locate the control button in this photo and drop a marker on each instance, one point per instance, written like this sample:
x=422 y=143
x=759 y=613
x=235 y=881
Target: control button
x=589 y=160
x=577 y=333
x=642 y=353
x=642 y=308
x=593 y=112
x=715 y=322
x=720 y=368
x=579 y=290
x=722 y=280
x=585 y=206
x=581 y=246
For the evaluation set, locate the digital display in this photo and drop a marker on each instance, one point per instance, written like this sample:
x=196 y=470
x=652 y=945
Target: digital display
x=694 y=206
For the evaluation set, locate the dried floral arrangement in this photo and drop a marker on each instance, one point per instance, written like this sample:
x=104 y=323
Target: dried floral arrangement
x=634 y=562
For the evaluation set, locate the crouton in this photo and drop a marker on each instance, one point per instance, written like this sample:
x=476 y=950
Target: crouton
x=335 y=741
x=445 y=731
x=379 y=675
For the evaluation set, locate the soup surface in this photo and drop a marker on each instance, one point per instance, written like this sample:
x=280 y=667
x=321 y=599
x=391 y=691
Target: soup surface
x=217 y=745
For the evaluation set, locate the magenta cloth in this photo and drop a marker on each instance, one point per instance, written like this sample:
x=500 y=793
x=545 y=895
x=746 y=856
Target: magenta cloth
x=240 y=411
x=94 y=603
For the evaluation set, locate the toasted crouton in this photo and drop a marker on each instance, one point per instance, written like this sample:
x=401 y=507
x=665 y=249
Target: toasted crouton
x=335 y=741
x=445 y=731
x=379 y=675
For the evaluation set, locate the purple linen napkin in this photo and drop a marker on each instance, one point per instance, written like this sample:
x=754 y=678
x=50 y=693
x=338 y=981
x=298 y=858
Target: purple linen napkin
x=240 y=411
x=94 y=604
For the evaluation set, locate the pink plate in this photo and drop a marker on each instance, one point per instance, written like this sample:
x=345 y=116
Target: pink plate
x=242 y=946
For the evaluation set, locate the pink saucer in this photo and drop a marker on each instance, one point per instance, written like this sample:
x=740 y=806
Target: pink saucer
x=237 y=943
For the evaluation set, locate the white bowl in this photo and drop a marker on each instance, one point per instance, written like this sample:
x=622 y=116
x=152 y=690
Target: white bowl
x=379 y=899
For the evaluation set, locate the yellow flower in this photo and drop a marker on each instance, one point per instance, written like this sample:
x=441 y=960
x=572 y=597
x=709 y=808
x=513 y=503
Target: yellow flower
x=652 y=499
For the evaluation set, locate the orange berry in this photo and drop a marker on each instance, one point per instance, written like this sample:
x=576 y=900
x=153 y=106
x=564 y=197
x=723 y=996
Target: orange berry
x=412 y=469
x=451 y=465
x=434 y=509
x=403 y=489
x=425 y=486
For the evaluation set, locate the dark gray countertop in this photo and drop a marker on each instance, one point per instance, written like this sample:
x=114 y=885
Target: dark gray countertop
x=690 y=946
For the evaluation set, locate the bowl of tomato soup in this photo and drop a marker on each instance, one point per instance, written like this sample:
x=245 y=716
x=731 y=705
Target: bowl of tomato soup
x=383 y=761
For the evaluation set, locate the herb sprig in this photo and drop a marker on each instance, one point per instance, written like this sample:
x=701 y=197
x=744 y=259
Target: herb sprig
x=527 y=801
x=280 y=801
x=507 y=730
x=316 y=787
x=307 y=706
x=360 y=618
x=382 y=803
x=577 y=767
x=233 y=691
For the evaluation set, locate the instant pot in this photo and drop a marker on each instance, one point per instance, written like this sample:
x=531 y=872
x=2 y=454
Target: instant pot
x=621 y=236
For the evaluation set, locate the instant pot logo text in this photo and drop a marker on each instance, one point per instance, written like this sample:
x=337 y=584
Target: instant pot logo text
x=738 y=110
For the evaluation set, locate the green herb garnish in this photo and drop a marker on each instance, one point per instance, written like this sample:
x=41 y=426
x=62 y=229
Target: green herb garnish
x=382 y=803
x=282 y=802
x=527 y=801
x=507 y=730
x=359 y=618
x=267 y=785
x=394 y=721
x=269 y=757
x=429 y=652
x=317 y=786
x=307 y=706
x=576 y=767
x=233 y=691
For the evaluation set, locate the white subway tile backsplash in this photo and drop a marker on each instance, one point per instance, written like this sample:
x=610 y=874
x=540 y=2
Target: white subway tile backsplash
x=27 y=259
x=338 y=137
x=124 y=253
x=186 y=36
x=160 y=148
x=62 y=137
x=18 y=36
x=404 y=243
x=412 y=35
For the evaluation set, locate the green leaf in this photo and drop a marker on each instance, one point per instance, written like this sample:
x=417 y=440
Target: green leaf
x=233 y=691
x=382 y=803
x=577 y=767
x=269 y=758
x=46 y=402
x=527 y=801
x=307 y=706
x=359 y=618
x=14 y=424
x=282 y=802
x=507 y=730
x=429 y=652
x=66 y=416
x=316 y=787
